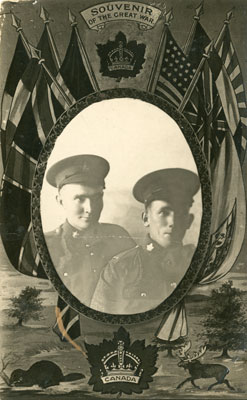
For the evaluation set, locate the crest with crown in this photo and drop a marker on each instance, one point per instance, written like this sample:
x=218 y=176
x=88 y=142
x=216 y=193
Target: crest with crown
x=118 y=365
x=121 y=58
x=121 y=365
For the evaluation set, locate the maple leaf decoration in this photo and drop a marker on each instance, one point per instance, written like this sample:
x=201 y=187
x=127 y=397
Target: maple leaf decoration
x=110 y=372
x=119 y=58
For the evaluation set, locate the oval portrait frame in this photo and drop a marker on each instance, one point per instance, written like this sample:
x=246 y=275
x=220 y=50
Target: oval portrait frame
x=198 y=257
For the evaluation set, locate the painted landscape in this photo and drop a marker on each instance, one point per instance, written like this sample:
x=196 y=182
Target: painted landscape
x=35 y=341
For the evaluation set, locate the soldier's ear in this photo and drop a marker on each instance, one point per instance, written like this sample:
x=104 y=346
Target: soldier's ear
x=145 y=218
x=190 y=220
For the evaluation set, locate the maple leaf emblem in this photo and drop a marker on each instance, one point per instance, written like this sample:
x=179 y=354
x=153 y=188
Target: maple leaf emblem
x=119 y=366
x=121 y=59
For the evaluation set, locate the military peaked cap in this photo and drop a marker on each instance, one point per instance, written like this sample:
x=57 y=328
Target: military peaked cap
x=172 y=184
x=86 y=169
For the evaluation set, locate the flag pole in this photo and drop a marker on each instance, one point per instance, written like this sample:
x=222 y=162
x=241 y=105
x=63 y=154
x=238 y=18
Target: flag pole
x=159 y=54
x=44 y=15
x=74 y=23
x=35 y=53
x=195 y=78
x=32 y=52
x=16 y=23
x=199 y=11
x=218 y=41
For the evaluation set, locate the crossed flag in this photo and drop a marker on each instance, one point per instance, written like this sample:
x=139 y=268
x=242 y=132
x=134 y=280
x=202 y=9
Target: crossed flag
x=203 y=81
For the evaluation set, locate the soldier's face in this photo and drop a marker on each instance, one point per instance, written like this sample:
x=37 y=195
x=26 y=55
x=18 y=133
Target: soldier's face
x=167 y=223
x=82 y=204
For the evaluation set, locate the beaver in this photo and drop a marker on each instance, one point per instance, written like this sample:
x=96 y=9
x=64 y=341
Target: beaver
x=42 y=373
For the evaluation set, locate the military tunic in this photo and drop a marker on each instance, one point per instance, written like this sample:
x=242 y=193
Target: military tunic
x=79 y=260
x=141 y=278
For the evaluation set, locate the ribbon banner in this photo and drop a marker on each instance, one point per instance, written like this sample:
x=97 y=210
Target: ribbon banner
x=97 y=16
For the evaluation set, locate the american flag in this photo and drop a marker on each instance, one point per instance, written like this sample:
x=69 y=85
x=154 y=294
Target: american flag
x=175 y=74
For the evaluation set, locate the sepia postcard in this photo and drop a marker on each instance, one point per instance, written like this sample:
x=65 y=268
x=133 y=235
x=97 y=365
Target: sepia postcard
x=123 y=199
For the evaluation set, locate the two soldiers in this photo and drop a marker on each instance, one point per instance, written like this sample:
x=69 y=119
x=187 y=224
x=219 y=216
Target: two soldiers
x=99 y=263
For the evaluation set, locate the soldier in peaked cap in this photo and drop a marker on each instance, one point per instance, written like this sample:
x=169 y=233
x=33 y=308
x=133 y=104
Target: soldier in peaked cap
x=139 y=279
x=81 y=246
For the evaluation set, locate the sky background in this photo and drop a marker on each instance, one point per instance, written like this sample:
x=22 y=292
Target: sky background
x=136 y=138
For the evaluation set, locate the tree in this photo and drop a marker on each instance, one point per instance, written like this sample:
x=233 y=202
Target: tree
x=26 y=306
x=225 y=324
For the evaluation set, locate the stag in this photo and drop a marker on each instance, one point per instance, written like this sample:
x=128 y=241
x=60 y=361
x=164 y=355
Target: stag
x=198 y=370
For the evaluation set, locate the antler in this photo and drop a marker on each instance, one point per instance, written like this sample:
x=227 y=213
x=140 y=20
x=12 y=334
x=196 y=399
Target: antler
x=198 y=354
x=181 y=353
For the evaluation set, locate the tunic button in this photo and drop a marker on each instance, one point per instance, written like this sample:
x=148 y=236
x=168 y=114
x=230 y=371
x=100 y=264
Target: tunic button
x=91 y=254
x=94 y=270
x=65 y=274
x=143 y=294
x=87 y=245
x=75 y=235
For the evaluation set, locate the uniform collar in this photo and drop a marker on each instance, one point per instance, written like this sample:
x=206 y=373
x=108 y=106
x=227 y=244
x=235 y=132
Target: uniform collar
x=152 y=246
x=70 y=232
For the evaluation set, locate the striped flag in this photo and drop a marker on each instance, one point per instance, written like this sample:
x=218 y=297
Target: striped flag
x=226 y=51
x=30 y=119
x=202 y=106
x=215 y=135
x=236 y=113
x=22 y=145
x=176 y=72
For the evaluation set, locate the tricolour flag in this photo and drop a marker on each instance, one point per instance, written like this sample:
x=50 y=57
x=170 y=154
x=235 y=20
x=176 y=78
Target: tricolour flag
x=16 y=70
x=73 y=71
x=198 y=41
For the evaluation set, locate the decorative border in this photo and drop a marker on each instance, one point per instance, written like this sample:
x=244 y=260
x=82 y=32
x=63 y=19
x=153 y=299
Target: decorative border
x=202 y=168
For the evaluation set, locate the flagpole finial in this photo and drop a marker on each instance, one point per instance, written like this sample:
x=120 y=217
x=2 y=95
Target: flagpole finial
x=44 y=15
x=169 y=17
x=72 y=18
x=229 y=16
x=199 y=11
x=16 y=22
x=35 y=53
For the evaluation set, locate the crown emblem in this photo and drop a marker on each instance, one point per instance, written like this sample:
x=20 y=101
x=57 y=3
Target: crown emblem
x=118 y=365
x=121 y=59
x=121 y=365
